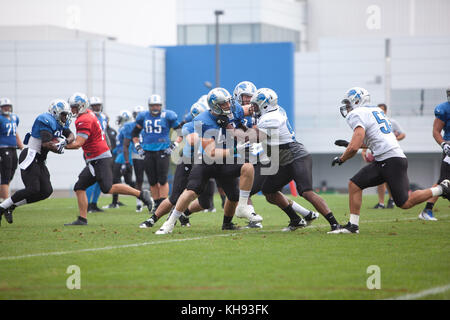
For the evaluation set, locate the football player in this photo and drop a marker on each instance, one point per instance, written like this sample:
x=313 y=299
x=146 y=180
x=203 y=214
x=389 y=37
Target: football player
x=9 y=142
x=295 y=163
x=93 y=192
x=372 y=130
x=155 y=125
x=441 y=122
x=50 y=132
x=91 y=138
x=138 y=160
x=212 y=134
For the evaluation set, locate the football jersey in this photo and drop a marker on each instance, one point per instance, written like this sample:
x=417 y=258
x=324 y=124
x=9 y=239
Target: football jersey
x=156 y=129
x=188 y=150
x=8 y=129
x=128 y=134
x=442 y=112
x=119 y=146
x=102 y=118
x=44 y=122
x=379 y=135
x=89 y=127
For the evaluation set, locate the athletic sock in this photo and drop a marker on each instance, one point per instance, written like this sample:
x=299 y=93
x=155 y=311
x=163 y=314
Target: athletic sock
x=187 y=212
x=354 y=219
x=331 y=219
x=227 y=219
x=154 y=217
x=429 y=206
x=115 y=198
x=7 y=203
x=243 y=197
x=291 y=213
x=174 y=216
x=299 y=209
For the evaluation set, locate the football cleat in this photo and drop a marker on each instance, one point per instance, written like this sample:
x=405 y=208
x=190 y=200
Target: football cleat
x=348 y=228
x=111 y=206
x=335 y=227
x=166 y=228
x=8 y=214
x=254 y=225
x=427 y=215
x=311 y=217
x=230 y=226
x=390 y=204
x=246 y=212
x=295 y=224
x=121 y=204
x=77 y=222
x=147 y=223
x=379 y=206
x=184 y=221
x=92 y=207
x=147 y=200
x=445 y=189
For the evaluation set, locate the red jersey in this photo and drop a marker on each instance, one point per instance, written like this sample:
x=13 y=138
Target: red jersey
x=88 y=124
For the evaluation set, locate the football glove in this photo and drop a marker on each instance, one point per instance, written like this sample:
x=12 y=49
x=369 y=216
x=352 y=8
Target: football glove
x=341 y=143
x=61 y=145
x=446 y=147
x=336 y=160
x=170 y=149
x=241 y=146
x=125 y=168
x=139 y=149
x=223 y=121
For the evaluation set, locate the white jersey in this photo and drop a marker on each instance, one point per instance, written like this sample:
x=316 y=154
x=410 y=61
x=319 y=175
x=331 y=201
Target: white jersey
x=276 y=125
x=379 y=134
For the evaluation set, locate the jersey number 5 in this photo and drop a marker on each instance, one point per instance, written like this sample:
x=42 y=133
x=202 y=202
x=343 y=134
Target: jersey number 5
x=386 y=126
x=155 y=128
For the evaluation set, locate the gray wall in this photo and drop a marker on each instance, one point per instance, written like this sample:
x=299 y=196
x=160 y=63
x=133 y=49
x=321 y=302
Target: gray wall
x=35 y=72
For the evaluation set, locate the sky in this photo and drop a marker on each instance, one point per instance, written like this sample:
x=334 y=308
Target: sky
x=137 y=22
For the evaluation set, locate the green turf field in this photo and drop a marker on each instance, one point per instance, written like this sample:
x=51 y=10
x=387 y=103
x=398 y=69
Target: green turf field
x=118 y=260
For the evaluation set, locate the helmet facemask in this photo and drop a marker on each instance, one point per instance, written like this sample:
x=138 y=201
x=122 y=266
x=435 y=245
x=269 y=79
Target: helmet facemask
x=6 y=109
x=346 y=108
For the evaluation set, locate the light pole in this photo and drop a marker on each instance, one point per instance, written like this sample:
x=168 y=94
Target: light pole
x=217 y=13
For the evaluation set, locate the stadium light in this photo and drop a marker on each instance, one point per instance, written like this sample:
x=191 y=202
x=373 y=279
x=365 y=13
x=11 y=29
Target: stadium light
x=217 y=14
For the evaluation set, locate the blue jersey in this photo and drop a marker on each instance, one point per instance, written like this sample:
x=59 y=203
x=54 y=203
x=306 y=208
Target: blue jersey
x=102 y=119
x=156 y=129
x=120 y=158
x=46 y=122
x=188 y=117
x=186 y=130
x=8 y=129
x=442 y=112
x=128 y=134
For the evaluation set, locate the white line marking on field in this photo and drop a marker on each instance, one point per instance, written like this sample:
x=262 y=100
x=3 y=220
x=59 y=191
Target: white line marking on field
x=422 y=294
x=58 y=253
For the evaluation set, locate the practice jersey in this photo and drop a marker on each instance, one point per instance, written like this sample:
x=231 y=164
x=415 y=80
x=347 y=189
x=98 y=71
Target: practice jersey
x=379 y=135
x=103 y=122
x=44 y=122
x=156 y=129
x=8 y=129
x=120 y=158
x=89 y=127
x=128 y=134
x=276 y=126
x=442 y=112
x=188 y=150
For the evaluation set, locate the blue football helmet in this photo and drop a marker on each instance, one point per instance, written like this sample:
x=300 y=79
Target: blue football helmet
x=79 y=101
x=216 y=98
x=60 y=110
x=354 y=98
x=243 y=88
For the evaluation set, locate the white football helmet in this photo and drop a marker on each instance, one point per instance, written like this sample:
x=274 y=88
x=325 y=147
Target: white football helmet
x=137 y=110
x=155 y=99
x=123 y=117
x=243 y=88
x=79 y=101
x=197 y=108
x=354 y=98
x=60 y=110
x=5 y=102
x=96 y=105
x=263 y=101
x=216 y=97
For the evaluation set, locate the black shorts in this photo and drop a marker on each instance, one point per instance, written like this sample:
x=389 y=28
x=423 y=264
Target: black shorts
x=156 y=166
x=138 y=165
x=445 y=170
x=226 y=176
x=103 y=175
x=117 y=175
x=258 y=180
x=206 y=198
x=180 y=181
x=300 y=170
x=8 y=164
x=393 y=171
